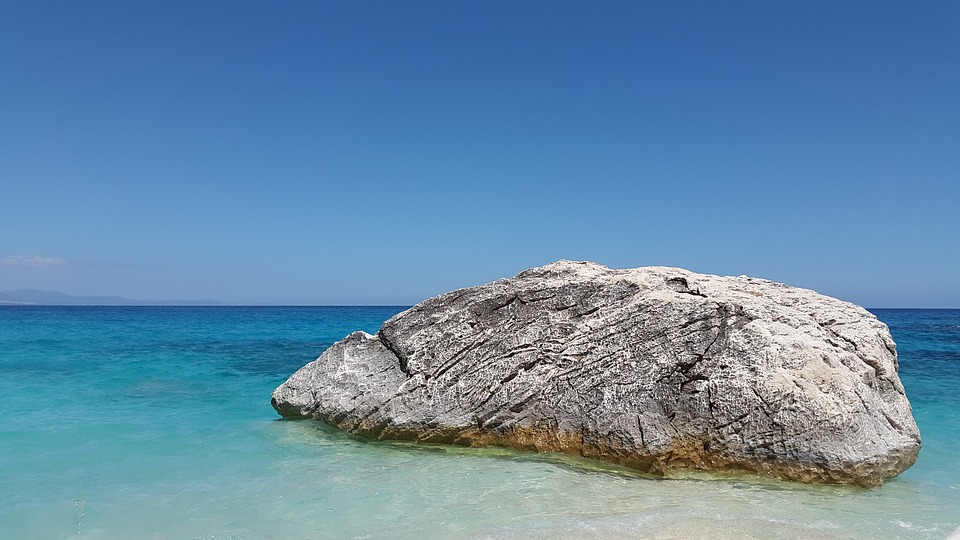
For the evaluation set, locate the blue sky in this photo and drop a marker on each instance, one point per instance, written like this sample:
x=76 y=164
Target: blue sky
x=383 y=152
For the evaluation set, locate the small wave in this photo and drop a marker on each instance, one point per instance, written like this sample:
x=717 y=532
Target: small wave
x=914 y=527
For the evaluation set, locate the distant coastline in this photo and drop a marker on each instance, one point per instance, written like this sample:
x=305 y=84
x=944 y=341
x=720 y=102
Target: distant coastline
x=30 y=297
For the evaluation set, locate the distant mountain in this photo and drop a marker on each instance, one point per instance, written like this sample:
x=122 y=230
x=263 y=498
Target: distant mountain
x=54 y=298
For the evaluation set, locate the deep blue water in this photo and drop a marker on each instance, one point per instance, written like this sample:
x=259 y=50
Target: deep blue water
x=155 y=422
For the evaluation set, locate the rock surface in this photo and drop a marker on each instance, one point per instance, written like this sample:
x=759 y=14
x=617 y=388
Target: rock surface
x=654 y=368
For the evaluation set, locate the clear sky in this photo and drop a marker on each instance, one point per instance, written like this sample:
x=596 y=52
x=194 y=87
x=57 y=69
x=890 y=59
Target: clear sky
x=321 y=152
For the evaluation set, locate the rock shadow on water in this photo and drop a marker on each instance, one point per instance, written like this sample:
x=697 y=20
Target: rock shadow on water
x=313 y=433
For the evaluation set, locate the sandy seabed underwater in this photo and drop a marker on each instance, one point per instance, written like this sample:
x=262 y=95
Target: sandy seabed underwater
x=155 y=422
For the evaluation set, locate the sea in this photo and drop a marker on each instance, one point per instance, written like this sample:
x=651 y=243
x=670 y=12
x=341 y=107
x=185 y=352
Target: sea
x=155 y=423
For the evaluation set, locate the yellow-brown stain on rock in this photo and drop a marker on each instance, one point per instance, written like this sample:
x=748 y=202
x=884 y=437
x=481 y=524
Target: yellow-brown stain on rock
x=685 y=455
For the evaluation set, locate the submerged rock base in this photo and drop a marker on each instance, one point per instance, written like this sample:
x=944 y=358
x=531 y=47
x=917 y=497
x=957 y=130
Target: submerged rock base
x=654 y=368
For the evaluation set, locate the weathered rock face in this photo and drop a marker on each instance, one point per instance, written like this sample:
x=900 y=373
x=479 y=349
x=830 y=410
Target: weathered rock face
x=654 y=368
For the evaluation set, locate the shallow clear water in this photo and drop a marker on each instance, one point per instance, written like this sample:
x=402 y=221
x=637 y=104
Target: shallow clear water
x=156 y=423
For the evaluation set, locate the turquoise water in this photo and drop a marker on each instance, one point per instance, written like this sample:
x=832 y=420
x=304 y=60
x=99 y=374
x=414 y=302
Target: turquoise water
x=148 y=422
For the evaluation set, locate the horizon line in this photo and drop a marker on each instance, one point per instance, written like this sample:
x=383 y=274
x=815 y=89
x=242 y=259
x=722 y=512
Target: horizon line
x=267 y=305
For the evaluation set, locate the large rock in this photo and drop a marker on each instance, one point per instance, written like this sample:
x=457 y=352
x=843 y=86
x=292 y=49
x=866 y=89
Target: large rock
x=654 y=368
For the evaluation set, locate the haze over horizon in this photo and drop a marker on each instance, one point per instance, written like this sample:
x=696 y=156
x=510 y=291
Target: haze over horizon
x=382 y=153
